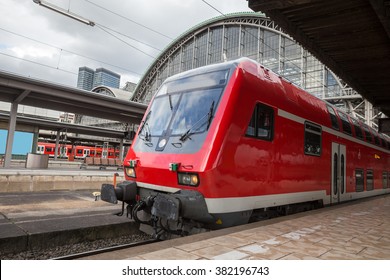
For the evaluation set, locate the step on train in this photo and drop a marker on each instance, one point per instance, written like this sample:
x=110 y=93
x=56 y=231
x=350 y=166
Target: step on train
x=226 y=144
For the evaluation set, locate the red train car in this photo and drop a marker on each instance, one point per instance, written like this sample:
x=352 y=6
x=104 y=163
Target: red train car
x=78 y=151
x=223 y=144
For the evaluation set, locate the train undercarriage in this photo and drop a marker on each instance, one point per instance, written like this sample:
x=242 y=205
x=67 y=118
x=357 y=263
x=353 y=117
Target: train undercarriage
x=170 y=215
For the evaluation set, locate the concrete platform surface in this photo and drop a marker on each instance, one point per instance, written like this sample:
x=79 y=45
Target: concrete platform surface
x=56 y=178
x=357 y=230
x=34 y=220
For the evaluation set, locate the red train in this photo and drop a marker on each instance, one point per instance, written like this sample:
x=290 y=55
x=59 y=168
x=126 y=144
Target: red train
x=223 y=144
x=77 y=151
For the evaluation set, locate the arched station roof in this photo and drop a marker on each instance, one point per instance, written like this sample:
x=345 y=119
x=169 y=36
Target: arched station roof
x=237 y=35
x=114 y=92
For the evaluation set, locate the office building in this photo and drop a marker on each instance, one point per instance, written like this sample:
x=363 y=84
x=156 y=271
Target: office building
x=85 y=78
x=104 y=77
x=89 y=78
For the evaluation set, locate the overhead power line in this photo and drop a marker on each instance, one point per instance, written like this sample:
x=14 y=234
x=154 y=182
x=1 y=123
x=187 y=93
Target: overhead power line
x=38 y=63
x=102 y=28
x=128 y=19
x=213 y=7
x=68 y=51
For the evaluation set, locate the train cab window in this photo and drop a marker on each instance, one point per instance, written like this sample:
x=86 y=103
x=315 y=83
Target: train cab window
x=346 y=125
x=261 y=123
x=385 y=180
x=358 y=129
x=370 y=180
x=333 y=118
x=359 y=178
x=313 y=139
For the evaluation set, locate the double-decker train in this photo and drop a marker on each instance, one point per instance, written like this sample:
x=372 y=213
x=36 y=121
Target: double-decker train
x=223 y=144
x=77 y=151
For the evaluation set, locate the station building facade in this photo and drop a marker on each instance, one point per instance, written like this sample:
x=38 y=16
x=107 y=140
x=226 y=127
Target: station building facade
x=255 y=36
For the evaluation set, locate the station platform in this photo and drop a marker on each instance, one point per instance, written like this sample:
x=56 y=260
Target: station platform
x=358 y=230
x=38 y=217
x=40 y=220
x=59 y=176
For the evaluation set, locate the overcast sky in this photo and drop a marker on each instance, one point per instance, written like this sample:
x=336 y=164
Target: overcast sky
x=43 y=44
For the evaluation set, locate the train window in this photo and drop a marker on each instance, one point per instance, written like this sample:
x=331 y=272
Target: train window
x=359 y=178
x=261 y=123
x=384 y=180
x=376 y=139
x=79 y=151
x=370 y=180
x=383 y=142
x=345 y=123
x=49 y=149
x=313 y=138
x=333 y=118
x=358 y=129
x=368 y=134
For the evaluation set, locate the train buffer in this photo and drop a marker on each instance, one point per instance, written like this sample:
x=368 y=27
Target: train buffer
x=101 y=163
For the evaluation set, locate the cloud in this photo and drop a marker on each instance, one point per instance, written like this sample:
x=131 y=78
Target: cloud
x=40 y=43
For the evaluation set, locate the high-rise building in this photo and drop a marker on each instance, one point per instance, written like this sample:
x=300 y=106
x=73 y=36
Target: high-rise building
x=88 y=78
x=85 y=78
x=104 y=77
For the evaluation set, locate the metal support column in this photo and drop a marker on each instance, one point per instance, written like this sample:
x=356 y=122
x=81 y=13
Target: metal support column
x=10 y=135
x=12 y=127
x=121 y=150
x=35 y=140
x=57 y=145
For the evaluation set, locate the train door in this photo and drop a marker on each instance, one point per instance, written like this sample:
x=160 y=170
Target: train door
x=40 y=149
x=338 y=180
x=63 y=152
x=105 y=150
x=86 y=153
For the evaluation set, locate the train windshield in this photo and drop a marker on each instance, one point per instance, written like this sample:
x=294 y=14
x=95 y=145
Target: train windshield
x=182 y=109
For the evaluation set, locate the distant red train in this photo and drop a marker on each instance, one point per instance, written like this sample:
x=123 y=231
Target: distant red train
x=223 y=144
x=77 y=151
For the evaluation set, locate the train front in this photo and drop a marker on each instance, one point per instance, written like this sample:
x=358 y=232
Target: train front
x=167 y=165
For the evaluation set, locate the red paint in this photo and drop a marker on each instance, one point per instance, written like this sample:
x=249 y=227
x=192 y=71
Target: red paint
x=230 y=164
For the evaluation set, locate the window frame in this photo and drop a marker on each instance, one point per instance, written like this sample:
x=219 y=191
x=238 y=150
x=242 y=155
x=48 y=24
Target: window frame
x=312 y=131
x=369 y=184
x=344 y=122
x=360 y=187
x=357 y=127
x=334 y=119
x=255 y=118
x=385 y=179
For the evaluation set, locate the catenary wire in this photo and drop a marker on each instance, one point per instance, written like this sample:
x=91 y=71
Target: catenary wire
x=128 y=19
x=68 y=51
x=38 y=63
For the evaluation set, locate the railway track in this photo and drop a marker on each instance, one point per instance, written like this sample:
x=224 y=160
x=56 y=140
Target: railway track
x=105 y=250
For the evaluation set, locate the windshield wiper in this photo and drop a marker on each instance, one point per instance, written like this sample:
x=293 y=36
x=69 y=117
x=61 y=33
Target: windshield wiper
x=190 y=131
x=145 y=125
x=210 y=114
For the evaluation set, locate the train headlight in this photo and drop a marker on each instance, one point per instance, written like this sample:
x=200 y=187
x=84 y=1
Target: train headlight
x=130 y=172
x=188 y=179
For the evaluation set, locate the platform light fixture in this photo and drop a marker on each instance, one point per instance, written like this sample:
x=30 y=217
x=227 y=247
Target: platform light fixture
x=63 y=12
